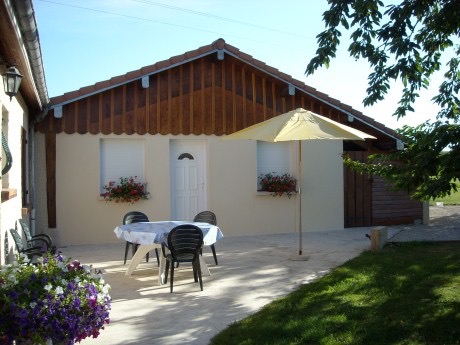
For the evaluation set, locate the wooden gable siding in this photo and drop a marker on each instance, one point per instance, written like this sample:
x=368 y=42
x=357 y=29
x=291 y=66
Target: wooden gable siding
x=204 y=96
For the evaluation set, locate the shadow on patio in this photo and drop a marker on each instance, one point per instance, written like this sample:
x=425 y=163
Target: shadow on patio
x=252 y=271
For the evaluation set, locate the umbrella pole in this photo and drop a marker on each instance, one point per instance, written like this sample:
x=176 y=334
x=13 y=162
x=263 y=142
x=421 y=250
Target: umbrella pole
x=300 y=197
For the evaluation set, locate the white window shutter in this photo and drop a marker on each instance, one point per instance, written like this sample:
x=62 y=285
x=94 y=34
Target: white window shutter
x=121 y=158
x=273 y=157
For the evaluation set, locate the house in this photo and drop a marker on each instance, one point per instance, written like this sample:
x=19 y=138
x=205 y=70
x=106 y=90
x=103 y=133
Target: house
x=164 y=123
x=19 y=45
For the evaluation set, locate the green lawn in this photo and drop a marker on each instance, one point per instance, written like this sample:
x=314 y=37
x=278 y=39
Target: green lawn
x=406 y=294
x=453 y=199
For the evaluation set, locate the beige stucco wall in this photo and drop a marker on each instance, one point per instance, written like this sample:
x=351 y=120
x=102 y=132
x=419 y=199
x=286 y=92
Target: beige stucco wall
x=83 y=218
x=15 y=113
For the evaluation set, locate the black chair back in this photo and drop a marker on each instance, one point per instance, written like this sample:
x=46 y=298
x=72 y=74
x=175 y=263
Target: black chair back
x=206 y=217
x=18 y=241
x=31 y=252
x=135 y=217
x=38 y=240
x=185 y=242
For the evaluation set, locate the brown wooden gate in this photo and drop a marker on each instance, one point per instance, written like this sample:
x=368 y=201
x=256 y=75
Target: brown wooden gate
x=358 y=194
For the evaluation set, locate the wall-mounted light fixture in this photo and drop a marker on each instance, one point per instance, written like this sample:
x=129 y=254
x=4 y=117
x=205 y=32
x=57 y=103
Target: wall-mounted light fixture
x=11 y=81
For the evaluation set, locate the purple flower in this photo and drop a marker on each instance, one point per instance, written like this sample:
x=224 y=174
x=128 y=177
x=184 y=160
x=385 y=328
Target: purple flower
x=44 y=302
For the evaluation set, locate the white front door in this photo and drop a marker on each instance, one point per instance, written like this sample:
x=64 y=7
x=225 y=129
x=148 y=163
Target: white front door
x=188 y=178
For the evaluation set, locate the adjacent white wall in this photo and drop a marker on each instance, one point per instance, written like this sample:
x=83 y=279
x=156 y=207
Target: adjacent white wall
x=15 y=113
x=84 y=218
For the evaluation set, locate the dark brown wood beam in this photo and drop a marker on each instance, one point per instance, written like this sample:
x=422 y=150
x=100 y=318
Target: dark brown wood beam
x=50 y=145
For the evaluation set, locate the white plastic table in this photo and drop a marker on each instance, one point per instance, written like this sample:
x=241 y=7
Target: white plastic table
x=150 y=235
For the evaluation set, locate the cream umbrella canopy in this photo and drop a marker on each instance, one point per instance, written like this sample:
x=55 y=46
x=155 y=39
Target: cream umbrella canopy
x=299 y=125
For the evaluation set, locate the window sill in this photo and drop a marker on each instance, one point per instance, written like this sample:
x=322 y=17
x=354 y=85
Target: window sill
x=8 y=194
x=261 y=193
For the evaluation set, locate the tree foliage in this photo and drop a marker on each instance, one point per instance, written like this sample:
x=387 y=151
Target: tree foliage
x=409 y=42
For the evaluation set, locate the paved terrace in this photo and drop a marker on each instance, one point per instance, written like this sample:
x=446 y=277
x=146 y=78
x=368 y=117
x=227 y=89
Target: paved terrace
x=252 y=271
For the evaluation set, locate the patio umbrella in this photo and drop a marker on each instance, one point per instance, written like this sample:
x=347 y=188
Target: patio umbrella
x=299 y=125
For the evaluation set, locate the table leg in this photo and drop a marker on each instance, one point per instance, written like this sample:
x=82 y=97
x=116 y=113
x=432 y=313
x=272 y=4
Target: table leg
x=141 y=251
x=204 y=268
x=161 y=270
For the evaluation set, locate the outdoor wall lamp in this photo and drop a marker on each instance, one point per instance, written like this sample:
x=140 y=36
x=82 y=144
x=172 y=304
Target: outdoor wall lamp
x=11 y=81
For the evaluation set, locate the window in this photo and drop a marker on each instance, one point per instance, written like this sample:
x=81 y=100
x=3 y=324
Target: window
x=185 y=156
x=273 y=157
x=121 y=158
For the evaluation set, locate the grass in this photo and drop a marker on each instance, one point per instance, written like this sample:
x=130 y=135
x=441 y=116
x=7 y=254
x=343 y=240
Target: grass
x=453 y=199
x=406 y=294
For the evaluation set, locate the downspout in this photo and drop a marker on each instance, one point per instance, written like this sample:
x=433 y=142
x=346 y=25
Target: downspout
x=38 y=118
x=32 y=177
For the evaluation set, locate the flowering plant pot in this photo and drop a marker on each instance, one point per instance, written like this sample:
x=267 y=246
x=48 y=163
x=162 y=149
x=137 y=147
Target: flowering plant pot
x=127 y=190
x=278 y=184
x=53 y=300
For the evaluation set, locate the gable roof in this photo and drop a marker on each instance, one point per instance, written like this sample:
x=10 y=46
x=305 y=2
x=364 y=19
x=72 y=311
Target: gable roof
x=219 y=47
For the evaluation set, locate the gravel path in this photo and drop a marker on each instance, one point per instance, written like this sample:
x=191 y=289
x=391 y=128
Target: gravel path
x=444 y=226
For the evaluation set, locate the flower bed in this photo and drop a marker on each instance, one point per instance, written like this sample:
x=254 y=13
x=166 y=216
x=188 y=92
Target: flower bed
x=55 y=299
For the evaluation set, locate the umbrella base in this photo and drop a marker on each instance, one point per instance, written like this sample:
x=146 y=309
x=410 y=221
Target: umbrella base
x=297 y=257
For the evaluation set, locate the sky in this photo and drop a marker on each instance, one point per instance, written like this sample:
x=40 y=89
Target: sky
x=87 y=41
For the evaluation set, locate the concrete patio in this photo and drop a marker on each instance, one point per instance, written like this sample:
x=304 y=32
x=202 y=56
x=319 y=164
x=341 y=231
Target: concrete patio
x=252 y=271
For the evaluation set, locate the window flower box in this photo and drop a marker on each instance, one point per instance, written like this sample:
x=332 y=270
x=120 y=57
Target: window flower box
x=127 y=190
x=278 y=185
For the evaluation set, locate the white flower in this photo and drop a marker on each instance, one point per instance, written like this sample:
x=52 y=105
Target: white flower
x=59 y=291
x=12 y=278
x=33 y=304
x=106 y=289
x=63 y=266
x=24 y=257
x=5 y=268
x=48 y=287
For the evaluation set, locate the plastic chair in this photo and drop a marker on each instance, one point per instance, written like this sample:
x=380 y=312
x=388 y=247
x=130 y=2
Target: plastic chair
x=184 y=244
x=136 y=217
x=208 y=217
x=37 y=240
x=28 y=250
